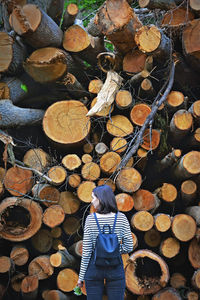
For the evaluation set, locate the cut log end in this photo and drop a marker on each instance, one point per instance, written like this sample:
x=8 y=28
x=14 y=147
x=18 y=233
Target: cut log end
x=6 y=51
x=53 y=216
x=184 y=227
x=148 y=38
x=170 y=247
x=142 y=221
x=75 y=39
x=124 y=202
x=129 y=180
x=57 y=174
x=139 y=113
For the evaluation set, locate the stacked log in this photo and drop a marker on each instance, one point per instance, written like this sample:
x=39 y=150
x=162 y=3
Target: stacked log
x=129 y=119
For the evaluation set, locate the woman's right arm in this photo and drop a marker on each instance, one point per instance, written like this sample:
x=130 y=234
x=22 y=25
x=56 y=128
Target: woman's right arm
x=127 y=240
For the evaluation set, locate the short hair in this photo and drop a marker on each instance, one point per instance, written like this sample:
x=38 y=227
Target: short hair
x=107 y=199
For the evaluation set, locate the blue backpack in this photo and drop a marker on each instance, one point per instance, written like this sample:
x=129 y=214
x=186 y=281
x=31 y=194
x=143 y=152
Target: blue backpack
x=107 y=247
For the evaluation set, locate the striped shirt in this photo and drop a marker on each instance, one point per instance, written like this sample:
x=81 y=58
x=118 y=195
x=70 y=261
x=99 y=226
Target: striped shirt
x=122 y=229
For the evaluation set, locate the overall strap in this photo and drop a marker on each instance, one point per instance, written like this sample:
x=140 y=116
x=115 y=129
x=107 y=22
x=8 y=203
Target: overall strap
x=95 y=216
x=114 y=222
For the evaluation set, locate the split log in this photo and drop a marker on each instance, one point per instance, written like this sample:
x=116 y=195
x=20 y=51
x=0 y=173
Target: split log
x=151 y=139
x=177 y=280
x=19 y=255
x=69 y=202
x=107 y=181
x=118 y=144
x=162 y=222
x=6 y=264
x=194 y=212
x=90 y=171
x=35 y=26
x=175 y=101
x=47 y=194
x=70 y=14
x=167 y=192
x=84 y=191
x=195 y=110
x=118 y=28
x=18 y=116
x=139 y=113
x=29 y=287
x=95 y=86
x=142 y=221
x=188 y=192
x=109 y=162
x=167 y=294
x=144 y=200
x=21 y=218
x=191 y=43
x=134 y=61
x=53 y=216
x=55 y=295
x=146 y=273
x=129 y=180
x=123 y=99
x=62 y=259
x=159 y=49
x=183 y=227
x=124 y=202
x=86 y=158
x=180 y=125
x=71 y=161
x=13 y=53
x=106 y=96
x=170 y=247
x=119 y=126
x=152 y=238
x=101 y=149
x=16 y=281
x=76 y=249
x=67 y=280
x=194 y=253
x=42 y=241
x=57 y=174
x=161 y=4
x=74 y=180
x=71 y=225
x=41 y=267
x=70 y=116
x=36 y=159
x=188 y=166
x=56 y=232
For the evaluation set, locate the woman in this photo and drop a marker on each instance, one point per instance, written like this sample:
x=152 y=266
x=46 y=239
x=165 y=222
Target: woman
x=104 y=202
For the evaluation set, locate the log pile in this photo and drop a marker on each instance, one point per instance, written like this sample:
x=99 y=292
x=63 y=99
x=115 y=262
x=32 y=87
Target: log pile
x=74 y=115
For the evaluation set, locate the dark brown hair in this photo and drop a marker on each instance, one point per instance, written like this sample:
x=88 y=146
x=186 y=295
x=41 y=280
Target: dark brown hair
x=107 y=199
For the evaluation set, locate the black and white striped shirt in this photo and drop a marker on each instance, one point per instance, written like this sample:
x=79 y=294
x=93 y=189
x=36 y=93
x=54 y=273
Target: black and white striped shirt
x=122 y=229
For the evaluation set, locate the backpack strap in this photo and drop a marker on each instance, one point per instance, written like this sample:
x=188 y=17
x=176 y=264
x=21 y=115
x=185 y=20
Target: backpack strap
x=95 y=216
x=114 y=222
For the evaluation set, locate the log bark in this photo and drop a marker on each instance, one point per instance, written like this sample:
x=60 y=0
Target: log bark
x=180 y=125
x=140 y=282
x=194 y=212
x=19 y=255
x=188 y=166
x=53 y=216
x=129 y=180
x=27 y=223
x=169 y=160
x=41 y=267
x=57 y=174
x=42 y=241
x=183 y=227
x=194 y=109
x=48 y=195
x=29 y=287
x=76 y=249
x=70 y=115
x=196 y=279
x=63 y=258
x=67 y=280
x=142 y=221
x=69 y=202
x=18 y=116
x=109 y=162
x=124 y=202
x=35 y=26
x=37 y=159
x=70 y=14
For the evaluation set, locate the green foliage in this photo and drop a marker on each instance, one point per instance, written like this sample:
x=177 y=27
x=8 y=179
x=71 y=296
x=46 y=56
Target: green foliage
x=24 y=88
x=77 y=291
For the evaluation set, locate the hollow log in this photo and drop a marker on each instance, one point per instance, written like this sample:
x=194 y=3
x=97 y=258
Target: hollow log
x=134 y=61
x=76 y=249
x=90 y=171
x=6 y=264
x=41 y=267
x=188 y=166
x=67 y=280
x=129 y=180
x=118 y=144
x=142 y=221
x=162 y=222
x=71 y=225
x=71 y=161
x=70 y=14
x=139 y=113
x=119 y=126
x=191 y=43
x=74 y=180
x=123 y=99
x=63 y=258
x=84 y=191
x=177 y=280
x=35 y=26
x=29 y=287
x=57 y=174
x=109 y=162
x=194 y=212
x=188 y=192
x=65 y=122
x=167 y=294
x=53 y=216
x=180 y=125
x=183 y=227
x=36 y=159
x=175 y=101
x=47 y=194
x=152 y=238
x=149 y=280
x=21 y=218
x=143 y=200
x=69 y=202
x=12 y=54
x=124 y=202
x=19 y=255
x=42 y=241
x=18 y=116
x=170 y=247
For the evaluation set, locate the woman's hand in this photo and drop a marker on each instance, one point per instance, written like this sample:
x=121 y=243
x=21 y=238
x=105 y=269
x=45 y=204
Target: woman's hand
x=80 y=283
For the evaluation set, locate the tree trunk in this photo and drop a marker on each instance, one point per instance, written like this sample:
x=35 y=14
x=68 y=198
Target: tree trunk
x=194 y=211
x=188 y=166
x=70 y=14
x=76 y=249
x=188 y=192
